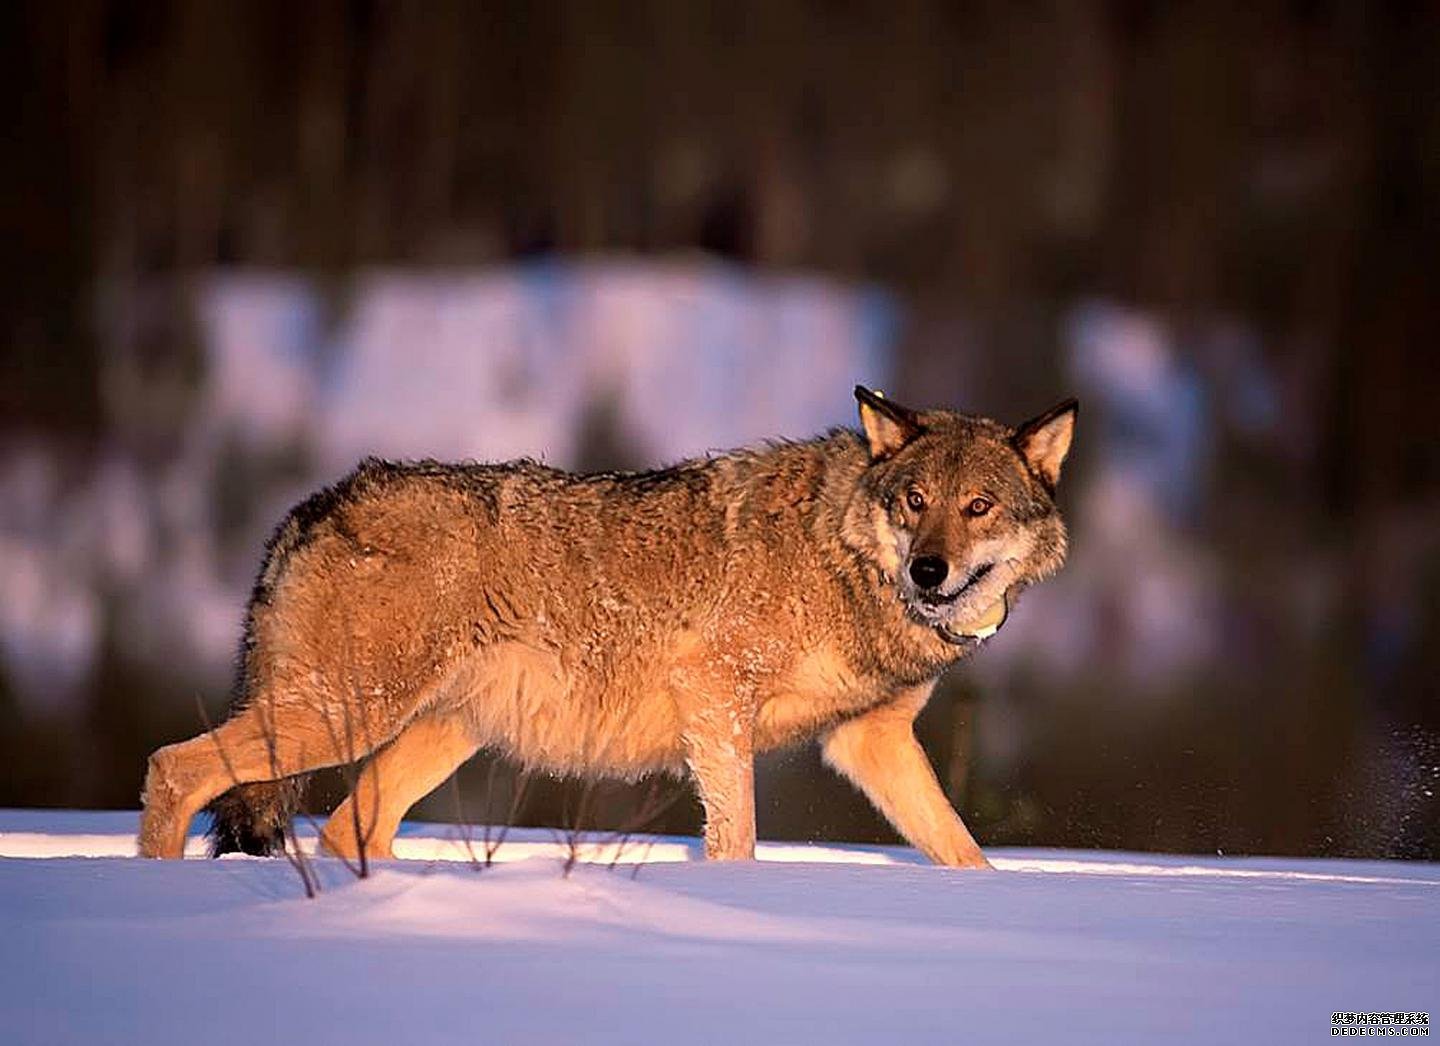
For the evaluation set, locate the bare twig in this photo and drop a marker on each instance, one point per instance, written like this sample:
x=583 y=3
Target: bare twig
x=575 y=834
x=289 y=840
x=517 y=797
x=462 y=824
x=650 y=810
x=289 y=844
x=493 y=832
x=349 y=758
x=572 y=835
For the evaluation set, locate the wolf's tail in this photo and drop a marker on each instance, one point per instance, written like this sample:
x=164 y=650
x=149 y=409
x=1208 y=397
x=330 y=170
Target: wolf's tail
x=253 y=818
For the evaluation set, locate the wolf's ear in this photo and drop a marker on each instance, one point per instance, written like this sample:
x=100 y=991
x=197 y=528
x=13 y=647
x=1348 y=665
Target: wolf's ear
x=888 y=426
x=1044 y=441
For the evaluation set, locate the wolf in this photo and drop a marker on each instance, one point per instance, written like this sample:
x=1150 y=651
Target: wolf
x=626 y=623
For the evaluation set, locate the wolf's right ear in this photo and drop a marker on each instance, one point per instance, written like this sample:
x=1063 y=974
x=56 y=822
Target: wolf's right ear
x=888 y=426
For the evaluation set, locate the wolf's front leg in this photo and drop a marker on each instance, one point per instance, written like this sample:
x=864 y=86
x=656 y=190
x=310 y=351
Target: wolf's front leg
x=879 y=753
x=721 y=758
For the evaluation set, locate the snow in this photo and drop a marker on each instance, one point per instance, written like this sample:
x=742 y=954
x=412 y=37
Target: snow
x=831 y=944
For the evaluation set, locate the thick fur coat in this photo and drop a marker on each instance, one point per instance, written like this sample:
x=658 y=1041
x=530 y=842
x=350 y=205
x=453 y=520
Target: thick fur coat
x=627 y=623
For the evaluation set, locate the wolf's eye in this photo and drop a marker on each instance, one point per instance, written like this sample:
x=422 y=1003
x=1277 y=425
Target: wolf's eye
x=915 y=500
x=979 y=506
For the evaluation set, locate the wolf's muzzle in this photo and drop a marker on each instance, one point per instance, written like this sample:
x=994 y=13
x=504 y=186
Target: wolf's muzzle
x=930 y=594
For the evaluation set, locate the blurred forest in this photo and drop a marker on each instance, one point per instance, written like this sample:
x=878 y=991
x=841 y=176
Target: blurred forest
x=1248 y=191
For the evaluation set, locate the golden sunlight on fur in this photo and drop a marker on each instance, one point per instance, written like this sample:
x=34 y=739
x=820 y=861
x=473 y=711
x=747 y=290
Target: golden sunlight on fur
x=623 y=624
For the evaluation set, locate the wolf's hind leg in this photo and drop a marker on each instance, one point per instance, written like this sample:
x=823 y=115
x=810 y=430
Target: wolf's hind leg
x=266 y=741
x=878 y=752
x=397 y=777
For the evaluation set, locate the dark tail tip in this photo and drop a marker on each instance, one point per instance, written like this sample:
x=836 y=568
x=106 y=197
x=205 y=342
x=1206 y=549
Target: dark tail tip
x=252 y=818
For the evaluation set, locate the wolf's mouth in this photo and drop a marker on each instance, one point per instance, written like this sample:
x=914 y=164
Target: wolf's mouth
x=971 y=621
x=938 y=599
x=983 y=627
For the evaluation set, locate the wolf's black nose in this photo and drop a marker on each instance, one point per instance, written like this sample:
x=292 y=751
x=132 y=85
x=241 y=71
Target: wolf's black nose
x=928 y=571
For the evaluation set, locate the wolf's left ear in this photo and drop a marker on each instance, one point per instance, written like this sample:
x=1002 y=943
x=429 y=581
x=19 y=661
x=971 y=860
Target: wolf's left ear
x=888 y=426
x=1044 y=441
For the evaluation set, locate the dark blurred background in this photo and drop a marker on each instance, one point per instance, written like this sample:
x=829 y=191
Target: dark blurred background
x=247 y=242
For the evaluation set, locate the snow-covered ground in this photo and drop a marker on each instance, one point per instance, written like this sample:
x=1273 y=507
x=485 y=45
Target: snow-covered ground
x=812 y=944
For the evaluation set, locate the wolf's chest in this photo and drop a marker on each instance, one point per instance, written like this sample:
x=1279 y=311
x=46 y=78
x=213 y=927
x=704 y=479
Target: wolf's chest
x=821 y=690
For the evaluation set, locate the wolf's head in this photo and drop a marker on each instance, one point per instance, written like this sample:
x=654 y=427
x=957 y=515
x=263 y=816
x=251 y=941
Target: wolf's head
x=960 y=511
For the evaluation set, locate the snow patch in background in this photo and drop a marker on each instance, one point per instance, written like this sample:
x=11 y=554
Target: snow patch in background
x=507 y=364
